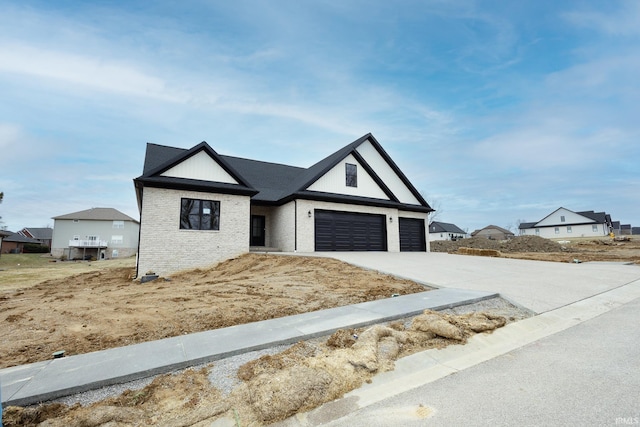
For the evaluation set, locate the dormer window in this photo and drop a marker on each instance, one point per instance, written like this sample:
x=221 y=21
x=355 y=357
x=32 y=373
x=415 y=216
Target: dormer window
x=352 y=175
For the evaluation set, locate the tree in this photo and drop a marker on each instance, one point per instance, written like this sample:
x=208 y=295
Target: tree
x=436 y=205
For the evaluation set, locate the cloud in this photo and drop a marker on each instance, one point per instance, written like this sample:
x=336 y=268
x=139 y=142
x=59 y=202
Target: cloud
x=622 y=22
x=86 y=72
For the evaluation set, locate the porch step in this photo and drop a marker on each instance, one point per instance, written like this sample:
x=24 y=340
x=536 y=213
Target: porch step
x=263 y=249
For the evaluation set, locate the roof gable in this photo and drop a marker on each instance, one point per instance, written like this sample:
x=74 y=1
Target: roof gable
x=334 y=181
x=563 y=216
x=200 y=166
x=377 y=163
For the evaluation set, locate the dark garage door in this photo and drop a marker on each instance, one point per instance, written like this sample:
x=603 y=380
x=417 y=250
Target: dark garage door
x=412 y=235
x=348 y=231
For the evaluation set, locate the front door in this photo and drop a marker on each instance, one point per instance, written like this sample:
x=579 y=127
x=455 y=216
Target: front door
x=257 y=230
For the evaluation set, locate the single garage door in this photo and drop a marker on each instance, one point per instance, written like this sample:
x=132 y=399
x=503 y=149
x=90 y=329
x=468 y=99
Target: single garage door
x=349 y=231
x=412 y=237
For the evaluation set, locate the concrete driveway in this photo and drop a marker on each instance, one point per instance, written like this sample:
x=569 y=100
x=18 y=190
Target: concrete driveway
x=537 y=285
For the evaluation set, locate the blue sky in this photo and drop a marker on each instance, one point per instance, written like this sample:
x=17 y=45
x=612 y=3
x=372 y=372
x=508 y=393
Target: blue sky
x=497 y=111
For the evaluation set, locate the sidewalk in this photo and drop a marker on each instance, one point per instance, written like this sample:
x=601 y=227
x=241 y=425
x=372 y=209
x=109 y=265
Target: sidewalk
x=38 y=382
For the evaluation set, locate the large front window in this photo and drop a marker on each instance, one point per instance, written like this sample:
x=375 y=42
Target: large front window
x=199 y=214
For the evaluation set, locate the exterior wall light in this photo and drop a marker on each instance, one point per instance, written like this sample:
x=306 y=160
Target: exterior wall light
x=390 y=219
x=309 y=214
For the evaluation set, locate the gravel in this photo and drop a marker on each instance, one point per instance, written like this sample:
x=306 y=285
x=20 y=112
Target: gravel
x=223 y=373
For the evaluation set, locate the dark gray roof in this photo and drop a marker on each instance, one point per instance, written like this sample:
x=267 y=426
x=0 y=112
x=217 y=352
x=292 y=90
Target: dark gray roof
x=525 y=225
x=43 y=233
x=444 y=227
x=599 y=217
x=268 y=183
x=492 y=227
x=104 y=214
x=19 y=238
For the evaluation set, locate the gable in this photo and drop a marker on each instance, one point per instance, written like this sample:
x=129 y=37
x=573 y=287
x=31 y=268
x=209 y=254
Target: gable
x=334 y=181
x=202 y=167
x=570 y=217
x=386 y=173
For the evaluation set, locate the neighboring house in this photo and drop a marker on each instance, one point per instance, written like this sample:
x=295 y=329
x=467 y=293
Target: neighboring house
x=563 y=223
x=445 y=231
x=42 y=235
x=493 y=232
x=100 y=233
x=3 y=234
x=14 y=243
x=198 y=207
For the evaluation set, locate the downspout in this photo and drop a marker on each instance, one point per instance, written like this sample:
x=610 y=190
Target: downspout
x=295 y=226
x=139 y=233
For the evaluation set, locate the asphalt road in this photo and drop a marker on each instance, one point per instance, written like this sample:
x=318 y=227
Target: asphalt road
x=587 y=375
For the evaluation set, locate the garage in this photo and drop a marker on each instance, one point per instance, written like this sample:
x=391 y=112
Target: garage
x=412 y=235
x=349 y=231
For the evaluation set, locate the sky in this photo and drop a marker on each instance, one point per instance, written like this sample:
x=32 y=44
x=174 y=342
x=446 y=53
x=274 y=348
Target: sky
x=498 y=112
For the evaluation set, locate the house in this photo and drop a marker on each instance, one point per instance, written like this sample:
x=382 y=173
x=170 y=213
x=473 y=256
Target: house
x=493 y=232
x=99 y=233
x=445 y=231
x=3 y=234
x=14 y=243
x=563 y=223
x=42 y=235
x=198 y=207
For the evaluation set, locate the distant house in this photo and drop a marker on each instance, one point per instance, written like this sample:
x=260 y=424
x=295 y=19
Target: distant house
x=493 y=232
x=3 y=234
x=14 y=243
x=564 y=223
x=445 y=231
x=100 y=233
x=42 y=235
x=198 y=207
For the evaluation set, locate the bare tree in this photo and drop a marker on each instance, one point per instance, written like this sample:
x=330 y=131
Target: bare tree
x=436 y=205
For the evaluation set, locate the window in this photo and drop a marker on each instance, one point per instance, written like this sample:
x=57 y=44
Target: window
x=562 y=218
x=114 y=253
x=568 y=229
x=76 y=237
x=557 y=230
x=118 y=224
x=75 y=221
x=199 y=214
x=92 y=238
x=594 y=228
x=537 y=231
x=117 y=240
x=352 y=175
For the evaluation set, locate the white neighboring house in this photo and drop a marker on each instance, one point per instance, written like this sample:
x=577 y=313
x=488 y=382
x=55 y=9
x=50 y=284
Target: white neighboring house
x=100 y=233
x=198 y=207
x=445 y=231
x=563 y=223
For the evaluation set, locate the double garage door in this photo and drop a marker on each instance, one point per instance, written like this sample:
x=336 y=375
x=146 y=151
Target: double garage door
x=350 y=231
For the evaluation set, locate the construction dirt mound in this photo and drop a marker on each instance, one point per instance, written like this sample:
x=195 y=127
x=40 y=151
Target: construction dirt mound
x=514 y=245
x=273 y=388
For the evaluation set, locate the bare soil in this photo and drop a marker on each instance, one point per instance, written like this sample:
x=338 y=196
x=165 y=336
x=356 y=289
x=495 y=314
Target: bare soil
x=102 y=307
x=540 y=249
x=106 y=308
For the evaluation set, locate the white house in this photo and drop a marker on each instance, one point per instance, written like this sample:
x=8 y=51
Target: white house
x=563 y=223
x=198 y=207
x=445 y=231
x=100 y=233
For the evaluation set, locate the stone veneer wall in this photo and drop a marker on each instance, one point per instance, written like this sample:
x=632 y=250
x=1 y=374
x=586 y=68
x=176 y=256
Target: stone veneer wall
x=165 y=248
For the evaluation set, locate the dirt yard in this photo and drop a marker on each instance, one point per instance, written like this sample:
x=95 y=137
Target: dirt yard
x=105 y=308
x=82 y=307
x=537 y=248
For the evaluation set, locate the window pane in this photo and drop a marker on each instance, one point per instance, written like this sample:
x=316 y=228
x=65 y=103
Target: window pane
x=352 y=175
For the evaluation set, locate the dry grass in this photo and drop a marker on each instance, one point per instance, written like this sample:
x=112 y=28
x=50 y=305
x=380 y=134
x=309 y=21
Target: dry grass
x=19 y=271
